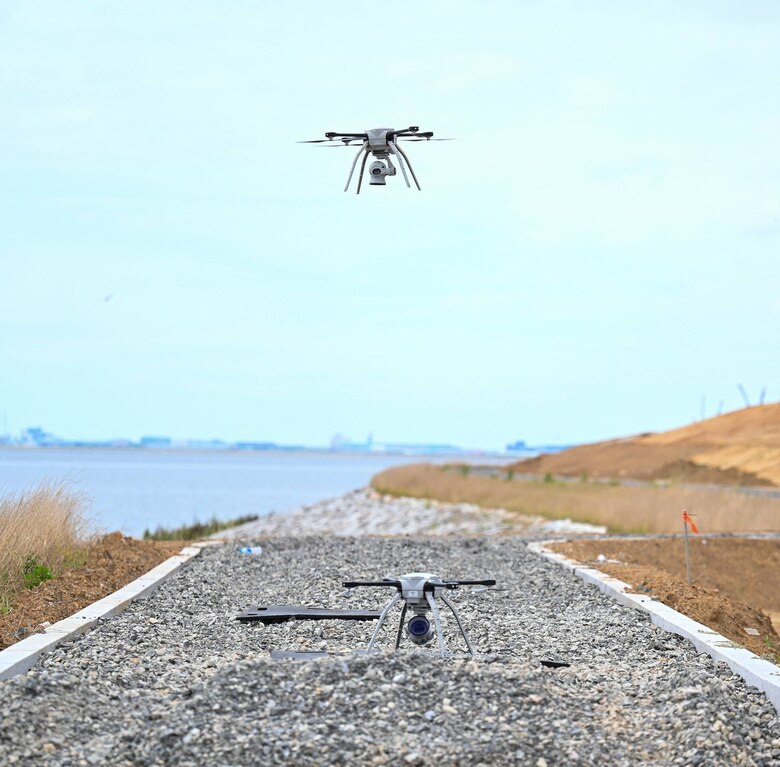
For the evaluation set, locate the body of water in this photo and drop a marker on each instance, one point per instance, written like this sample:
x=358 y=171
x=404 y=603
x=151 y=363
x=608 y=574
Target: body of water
x=134 y=490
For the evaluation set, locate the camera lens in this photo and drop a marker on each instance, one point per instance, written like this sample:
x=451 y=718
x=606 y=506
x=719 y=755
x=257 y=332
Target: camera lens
x=419 y=626
x=376 y=171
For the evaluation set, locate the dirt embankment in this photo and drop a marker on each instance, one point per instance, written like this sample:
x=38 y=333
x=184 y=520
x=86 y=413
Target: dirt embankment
x=738 y=448
x=112 y=562
x=735 y=582
x=622 y=508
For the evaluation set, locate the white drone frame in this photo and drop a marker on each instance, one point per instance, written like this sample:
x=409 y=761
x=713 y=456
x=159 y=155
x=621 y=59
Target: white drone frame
x=381 y=143
x=419 y=592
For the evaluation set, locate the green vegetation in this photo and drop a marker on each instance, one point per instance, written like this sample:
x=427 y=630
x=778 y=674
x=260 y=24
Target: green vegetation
x=42 y=533
x=196 y=530
x=35 y=574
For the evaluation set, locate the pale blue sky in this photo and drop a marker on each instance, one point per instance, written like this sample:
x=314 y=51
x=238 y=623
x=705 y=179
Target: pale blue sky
x=596 y=251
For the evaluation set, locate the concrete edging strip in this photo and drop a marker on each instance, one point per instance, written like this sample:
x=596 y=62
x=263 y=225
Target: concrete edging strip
x=22 y=656
x=755 y=671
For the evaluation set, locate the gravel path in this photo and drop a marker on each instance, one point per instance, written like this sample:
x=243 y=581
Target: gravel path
x=365 y=512
x=176 y=681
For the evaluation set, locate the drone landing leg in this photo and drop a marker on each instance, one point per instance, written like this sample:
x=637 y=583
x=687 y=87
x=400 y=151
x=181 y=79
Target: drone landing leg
x=457 y=620
x=362 y=167
x=394 y=150
x=437 y=620
x=400 y=628
x=389 y=606
x=354 y=163
x=410 y=168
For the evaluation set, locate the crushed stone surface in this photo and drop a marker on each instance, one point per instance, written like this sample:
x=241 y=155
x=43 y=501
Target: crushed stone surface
x=366 y=512
x=175 y=680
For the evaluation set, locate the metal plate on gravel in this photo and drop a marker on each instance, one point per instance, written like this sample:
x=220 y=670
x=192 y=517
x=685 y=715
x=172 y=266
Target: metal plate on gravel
x=280 y=613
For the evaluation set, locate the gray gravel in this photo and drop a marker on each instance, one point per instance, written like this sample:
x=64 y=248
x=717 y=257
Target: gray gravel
x=176 y=681
x=366 y=512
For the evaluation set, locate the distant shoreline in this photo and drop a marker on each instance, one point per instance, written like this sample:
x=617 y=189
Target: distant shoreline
x=183 y=450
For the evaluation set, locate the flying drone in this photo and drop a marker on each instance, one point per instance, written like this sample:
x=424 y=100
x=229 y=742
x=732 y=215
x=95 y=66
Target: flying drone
x=419 y=592
x=381 y=143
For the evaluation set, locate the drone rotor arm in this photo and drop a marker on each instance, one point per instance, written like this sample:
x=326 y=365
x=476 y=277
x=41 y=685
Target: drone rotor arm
x=335 y=134
x=353 y=584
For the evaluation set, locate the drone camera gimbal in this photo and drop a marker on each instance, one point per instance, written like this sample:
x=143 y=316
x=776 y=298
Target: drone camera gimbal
x=378 y=170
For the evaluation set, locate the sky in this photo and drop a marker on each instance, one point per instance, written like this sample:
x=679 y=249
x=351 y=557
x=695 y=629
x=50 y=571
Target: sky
x=594 y=254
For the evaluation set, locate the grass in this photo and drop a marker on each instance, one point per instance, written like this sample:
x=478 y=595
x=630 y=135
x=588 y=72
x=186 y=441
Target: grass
x=42 y=533
x=622 y=508
x=196 y=530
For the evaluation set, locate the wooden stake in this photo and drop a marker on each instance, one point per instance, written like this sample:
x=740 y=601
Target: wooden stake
x=687 y=554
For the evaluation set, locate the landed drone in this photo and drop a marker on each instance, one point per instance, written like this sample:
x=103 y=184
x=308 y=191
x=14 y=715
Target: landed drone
x=381 y=143
x=419 y=592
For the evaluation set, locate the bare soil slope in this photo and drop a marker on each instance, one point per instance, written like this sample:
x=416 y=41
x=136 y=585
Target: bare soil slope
x=113 y=561
x=736 y=582
x=742 y=447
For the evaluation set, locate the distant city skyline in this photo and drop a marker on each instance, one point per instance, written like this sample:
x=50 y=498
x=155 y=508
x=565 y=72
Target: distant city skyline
x=36 y=436
x=594 y=254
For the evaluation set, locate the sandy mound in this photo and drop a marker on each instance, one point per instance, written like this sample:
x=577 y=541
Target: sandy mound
x=742 y=447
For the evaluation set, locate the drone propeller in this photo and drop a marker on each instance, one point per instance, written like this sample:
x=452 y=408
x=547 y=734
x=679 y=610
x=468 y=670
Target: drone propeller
x=429 y=586
x=425 y=139
x=332 y=142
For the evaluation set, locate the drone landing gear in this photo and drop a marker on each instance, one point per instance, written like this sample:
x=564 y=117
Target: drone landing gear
x=434 y=608
x=391 y=148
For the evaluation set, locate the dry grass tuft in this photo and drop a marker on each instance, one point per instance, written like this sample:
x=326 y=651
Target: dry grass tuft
x=635 y=509
x=43 y=528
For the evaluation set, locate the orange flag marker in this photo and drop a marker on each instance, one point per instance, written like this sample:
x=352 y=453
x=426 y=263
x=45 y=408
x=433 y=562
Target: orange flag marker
x=689 y=520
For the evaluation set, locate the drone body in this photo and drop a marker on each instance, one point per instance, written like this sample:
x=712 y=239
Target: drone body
x=381 y=143
x=419 y=592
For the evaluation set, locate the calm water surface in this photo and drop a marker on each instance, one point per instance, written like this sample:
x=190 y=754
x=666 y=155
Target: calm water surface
x=134 y=490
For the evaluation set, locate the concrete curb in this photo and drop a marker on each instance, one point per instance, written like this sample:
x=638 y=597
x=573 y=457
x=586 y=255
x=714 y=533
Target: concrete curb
x=22 y=656
x=755 y=671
